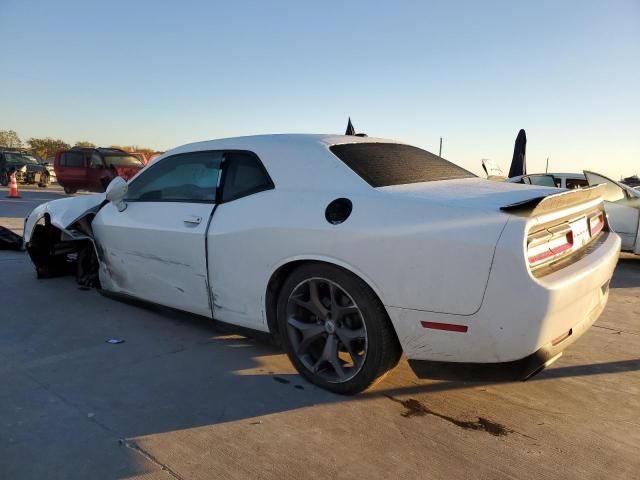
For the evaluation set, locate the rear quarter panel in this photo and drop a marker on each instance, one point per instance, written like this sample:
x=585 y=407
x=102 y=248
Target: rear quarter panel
x=413 y=254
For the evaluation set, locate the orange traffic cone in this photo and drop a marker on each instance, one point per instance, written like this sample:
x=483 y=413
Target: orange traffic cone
x=13 y=186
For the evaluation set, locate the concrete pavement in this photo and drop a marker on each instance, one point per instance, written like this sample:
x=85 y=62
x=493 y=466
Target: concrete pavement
x=182 y=399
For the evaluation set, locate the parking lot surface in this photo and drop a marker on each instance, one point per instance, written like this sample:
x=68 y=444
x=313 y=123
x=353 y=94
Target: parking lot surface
x=181 y=398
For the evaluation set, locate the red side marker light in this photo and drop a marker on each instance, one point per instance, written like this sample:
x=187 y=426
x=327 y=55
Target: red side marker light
x=451 y=327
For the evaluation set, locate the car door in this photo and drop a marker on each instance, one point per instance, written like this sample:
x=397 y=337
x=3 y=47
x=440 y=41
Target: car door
x=240 y=225
x=71 y=169
x=97 y=175
x=155 y=249
x=623 y=210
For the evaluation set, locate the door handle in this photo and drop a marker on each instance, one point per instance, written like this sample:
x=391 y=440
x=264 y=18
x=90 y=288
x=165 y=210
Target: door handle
x=193 y=219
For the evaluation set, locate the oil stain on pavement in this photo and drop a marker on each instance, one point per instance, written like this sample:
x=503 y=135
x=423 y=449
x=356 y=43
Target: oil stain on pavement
x=414 y=408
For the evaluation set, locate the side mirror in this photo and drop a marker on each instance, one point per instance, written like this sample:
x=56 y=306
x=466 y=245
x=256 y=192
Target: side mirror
x=116 y=191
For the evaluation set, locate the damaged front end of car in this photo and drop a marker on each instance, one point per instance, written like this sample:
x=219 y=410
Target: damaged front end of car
x=59 y=239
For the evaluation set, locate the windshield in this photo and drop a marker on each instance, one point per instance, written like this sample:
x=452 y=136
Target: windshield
x=123 y=161
x=19 y=158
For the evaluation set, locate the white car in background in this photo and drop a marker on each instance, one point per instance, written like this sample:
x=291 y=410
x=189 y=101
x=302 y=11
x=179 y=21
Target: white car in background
x=569 y=181
x=349 y=251
x=622 y=203
x=48 y=164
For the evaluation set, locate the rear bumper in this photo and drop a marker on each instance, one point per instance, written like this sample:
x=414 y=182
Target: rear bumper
x=521 y=369
x=522 y=324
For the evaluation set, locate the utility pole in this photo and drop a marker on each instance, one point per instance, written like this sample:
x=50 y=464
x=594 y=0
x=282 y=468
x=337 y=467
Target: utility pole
x=440 y=152
x=546 y=170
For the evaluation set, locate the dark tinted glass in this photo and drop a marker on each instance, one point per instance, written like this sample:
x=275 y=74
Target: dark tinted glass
x=544 y=180
x=244 y=175
x=384 y=164
x=573 y=183
x=189 y=177
x=123 y=161
x=72 y=159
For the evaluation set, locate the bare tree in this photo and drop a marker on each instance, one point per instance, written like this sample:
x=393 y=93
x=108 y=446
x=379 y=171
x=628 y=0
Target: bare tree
x=10 y=139
x=47 y=147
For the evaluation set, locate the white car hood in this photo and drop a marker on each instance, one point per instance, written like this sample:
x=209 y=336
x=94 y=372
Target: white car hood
x=476 y=193
x=63 y=212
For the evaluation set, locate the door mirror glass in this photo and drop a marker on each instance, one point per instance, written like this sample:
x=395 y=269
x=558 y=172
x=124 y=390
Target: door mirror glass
x=116 y=191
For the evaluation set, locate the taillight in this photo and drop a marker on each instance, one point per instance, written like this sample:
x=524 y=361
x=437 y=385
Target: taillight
x=549 y=243
x=552 y=242
x=596 y=223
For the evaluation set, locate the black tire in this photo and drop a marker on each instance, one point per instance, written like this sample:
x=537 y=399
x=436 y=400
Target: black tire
x=70 y=191
x=4 y=178
x=45 y=180
x=87 y=267
x=380 y=344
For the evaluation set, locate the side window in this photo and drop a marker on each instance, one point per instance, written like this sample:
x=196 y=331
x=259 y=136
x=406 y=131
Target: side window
x=244 y=175
x=72 y=159
x=543 y=180
x=573 y=183
x=187 y=177
x=95 y=161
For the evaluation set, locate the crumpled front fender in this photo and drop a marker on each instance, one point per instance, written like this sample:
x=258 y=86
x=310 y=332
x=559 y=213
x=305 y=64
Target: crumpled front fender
x=63 y=212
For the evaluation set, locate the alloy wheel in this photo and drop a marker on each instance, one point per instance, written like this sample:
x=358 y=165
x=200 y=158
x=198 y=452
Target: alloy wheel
x=327 y=330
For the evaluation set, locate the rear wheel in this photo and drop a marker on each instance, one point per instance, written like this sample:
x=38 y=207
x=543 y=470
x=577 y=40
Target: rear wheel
x=4 y=178
x=335 y=330
x=70 y=191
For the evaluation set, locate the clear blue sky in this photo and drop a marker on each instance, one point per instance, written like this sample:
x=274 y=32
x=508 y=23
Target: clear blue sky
x=160 y=74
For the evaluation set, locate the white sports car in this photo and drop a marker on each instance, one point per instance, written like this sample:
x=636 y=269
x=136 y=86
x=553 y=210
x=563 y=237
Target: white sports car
x=348 y=250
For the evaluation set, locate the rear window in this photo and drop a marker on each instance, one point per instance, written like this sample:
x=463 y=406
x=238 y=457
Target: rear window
x=385 y=164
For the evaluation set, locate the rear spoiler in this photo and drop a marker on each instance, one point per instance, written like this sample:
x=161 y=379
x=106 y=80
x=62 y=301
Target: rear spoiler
x=556 y=201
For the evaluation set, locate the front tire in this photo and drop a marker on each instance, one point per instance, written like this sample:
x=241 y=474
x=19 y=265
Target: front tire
x=335 y=330
x=70 y=191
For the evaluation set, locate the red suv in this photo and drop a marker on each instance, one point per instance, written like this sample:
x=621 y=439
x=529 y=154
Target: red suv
x=93 y=168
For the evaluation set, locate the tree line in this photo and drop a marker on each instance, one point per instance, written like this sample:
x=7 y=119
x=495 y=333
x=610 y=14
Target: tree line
x=46 y=147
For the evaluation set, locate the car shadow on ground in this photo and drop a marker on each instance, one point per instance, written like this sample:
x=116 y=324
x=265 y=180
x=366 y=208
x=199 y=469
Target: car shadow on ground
x=627 y=272
x=241 y=377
